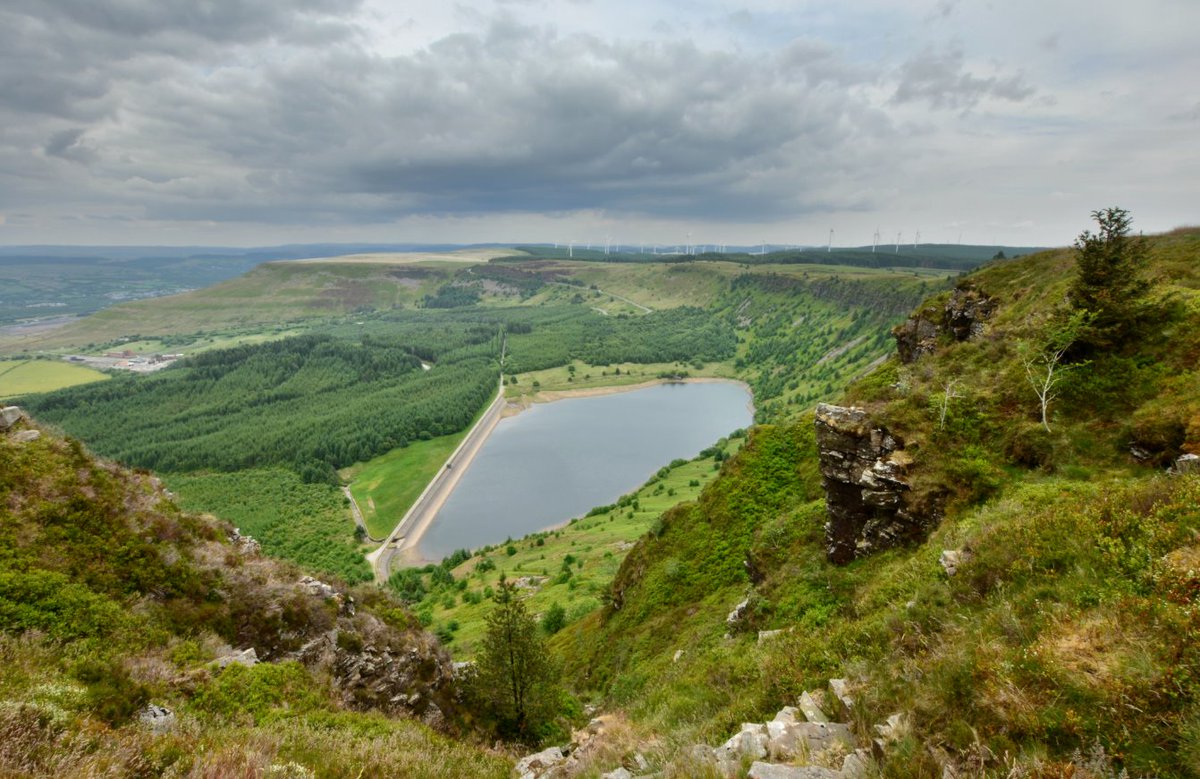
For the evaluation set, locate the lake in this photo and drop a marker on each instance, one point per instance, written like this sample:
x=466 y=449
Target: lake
x=555 y=461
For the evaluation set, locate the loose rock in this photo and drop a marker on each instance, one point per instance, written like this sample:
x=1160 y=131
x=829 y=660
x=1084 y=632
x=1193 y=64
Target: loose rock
x=1187 y=463
x=158 y=719
x=953 y=559
x=533 y=766
x=738 y=613
x=620 y=773
x=811 y=709
x=775 y=771
x=843 y=700
x=9 y=416
x=317 y=588
x=246 y=657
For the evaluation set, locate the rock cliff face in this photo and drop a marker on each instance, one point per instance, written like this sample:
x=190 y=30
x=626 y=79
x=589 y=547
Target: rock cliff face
x=963 y=317
x=863 y=468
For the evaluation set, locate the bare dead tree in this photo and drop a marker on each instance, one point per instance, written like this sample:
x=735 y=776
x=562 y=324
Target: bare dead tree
x=949 y=393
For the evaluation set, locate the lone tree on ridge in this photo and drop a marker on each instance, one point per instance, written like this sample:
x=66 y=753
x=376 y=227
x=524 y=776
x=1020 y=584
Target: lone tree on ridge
x=1110 y=284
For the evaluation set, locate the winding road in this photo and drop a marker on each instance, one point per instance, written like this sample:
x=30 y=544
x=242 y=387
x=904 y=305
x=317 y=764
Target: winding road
x=400 y=548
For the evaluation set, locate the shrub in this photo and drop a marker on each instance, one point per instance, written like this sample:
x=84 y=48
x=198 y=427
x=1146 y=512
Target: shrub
x=112 y=695
x=555 y=618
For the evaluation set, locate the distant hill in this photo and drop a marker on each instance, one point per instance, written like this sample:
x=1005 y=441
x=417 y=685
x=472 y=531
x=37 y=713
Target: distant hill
x=53 y=281
x=926 y=255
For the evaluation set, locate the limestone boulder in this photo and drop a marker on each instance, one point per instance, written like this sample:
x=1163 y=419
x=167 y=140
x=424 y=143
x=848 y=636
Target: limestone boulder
x=246 y=657
x=811 y=708
x=537 y=765
x=9 y=417
x=1187 y=463
x=760 y=770
x=804 y=739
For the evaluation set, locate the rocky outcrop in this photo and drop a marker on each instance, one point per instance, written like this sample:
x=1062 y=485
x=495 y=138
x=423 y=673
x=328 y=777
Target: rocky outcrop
x=962 y=318
x=1186 y=463
x=967 y=311
x=863 y=469
x=800 y=742
x=375 y=667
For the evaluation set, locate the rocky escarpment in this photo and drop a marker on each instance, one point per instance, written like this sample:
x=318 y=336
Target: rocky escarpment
x=202 y=575
x=863 y=469
x=962 y=317
x=863 y=465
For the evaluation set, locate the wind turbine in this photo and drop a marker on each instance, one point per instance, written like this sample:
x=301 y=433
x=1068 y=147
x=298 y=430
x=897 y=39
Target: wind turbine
x=570 y=248
x=829 y=248
x=897 y=243
x=917 y=240
x=875 y=241
x=689 y=243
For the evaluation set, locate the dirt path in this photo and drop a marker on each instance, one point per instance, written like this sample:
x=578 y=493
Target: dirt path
x=635 y=304
x=358 y=517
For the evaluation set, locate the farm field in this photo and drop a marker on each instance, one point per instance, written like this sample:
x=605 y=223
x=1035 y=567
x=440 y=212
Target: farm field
x=24 y=377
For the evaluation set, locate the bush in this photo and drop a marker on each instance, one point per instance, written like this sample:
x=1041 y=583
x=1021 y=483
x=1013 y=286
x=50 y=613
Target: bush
x=555 y=618
x=112 y=695
x=259 y=692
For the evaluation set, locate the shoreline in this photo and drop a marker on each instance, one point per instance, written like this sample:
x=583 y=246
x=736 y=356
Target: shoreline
x=517 y=405
x=402 y=548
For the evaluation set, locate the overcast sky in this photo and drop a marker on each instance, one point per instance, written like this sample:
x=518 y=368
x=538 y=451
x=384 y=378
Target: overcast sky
x=251 y=122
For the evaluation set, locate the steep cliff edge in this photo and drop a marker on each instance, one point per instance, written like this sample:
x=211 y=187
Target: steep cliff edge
x=1042 y=623
x=863 y=471
x=864 y=466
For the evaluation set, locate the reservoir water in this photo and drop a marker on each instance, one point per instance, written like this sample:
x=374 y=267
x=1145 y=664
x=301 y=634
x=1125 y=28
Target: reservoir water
x=555 y=461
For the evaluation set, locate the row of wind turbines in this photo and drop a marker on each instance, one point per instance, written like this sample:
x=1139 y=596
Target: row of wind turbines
x=689 y=248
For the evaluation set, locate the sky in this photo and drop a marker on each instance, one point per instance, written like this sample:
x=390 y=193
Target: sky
x=258 y=122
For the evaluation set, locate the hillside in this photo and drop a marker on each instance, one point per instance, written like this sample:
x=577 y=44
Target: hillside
x=257 y=419
x=1017 y=594
x=138 y=640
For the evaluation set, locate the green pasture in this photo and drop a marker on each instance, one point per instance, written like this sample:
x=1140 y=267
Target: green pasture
x=581 y=376
x=387 y=486
x=24 y=377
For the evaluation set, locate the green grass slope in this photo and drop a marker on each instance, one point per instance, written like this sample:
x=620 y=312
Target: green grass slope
x=1073 y=624
x=111 y=598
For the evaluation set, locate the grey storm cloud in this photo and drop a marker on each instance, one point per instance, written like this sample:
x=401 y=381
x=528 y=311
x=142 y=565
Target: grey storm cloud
x=941 y=80
x=69 y=145
x=160 y=106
